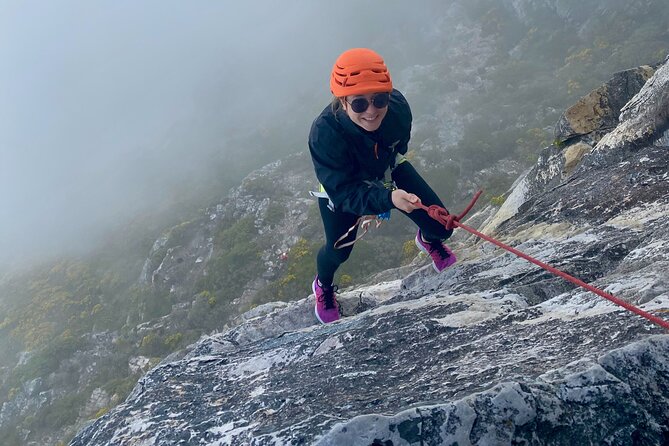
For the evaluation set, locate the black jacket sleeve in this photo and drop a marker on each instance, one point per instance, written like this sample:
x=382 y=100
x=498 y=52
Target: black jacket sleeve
x=403 y=120
x=338 y=172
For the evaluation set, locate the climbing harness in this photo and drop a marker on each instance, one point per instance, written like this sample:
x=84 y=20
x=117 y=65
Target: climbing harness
x=452 y=221
x=365 y=221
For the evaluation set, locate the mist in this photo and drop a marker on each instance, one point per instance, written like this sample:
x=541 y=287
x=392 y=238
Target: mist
x=112 y=109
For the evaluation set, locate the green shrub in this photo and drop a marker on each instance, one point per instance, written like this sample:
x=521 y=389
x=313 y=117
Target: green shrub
x=100 y=412
x=275 y=213
x=409 y=251
x=153 y=345
x=173 y=341
x=300 y=269
x=345 y=280
x=497 y=200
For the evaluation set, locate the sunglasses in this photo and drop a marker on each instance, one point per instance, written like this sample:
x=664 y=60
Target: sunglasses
x=379 y=100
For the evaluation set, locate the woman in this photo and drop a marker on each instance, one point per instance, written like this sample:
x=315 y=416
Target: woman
x=357 y=145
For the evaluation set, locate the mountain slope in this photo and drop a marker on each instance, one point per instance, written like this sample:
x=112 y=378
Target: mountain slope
x=492 y=351
x=487 y=80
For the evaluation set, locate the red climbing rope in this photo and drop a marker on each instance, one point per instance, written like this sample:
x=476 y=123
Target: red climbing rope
x=451 y=221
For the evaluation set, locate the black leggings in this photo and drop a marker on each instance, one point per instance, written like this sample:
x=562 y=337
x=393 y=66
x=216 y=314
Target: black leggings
x=337 y=223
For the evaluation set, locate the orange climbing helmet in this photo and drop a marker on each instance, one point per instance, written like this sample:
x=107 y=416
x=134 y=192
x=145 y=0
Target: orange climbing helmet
x=359 y=71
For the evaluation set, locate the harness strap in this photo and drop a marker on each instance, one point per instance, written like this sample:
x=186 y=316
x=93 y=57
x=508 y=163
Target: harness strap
x=364 y=223
x=323 y=194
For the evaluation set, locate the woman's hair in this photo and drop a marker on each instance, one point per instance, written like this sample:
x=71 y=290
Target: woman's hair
x=335 y=105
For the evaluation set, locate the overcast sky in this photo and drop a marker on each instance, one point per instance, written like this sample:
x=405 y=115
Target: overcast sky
x=91 y=90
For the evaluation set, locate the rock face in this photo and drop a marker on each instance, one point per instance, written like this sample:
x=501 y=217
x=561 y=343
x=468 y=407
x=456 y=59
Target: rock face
x=597 y=127
x=491 y=351
x=646 y=116
x=597 y=113
x=609 y=401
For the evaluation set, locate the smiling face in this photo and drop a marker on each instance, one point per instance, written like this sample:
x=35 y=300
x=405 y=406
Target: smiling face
x=369 y=119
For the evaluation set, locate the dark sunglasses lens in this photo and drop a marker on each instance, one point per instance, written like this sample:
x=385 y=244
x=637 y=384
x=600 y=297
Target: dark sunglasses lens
x=381 y=100
x=359 y=105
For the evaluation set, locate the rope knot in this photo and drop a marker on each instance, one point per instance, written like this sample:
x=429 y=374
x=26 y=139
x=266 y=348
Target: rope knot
x=451 y=221
x=442 y=216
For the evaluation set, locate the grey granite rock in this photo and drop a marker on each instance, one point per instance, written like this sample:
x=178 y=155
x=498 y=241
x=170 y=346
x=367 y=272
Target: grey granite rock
x=596 y=113
x=493 y=351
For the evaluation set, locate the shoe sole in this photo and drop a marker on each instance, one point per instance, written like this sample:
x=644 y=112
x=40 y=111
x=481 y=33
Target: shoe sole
x=313 y=288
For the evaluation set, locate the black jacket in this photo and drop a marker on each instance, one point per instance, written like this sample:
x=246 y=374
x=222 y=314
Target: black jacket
x=346 y=163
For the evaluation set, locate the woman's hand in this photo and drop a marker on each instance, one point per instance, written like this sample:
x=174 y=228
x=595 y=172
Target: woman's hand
x=405 y=201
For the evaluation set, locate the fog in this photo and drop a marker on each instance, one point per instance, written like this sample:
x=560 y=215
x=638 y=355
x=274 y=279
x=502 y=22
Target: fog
x=93 y=96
